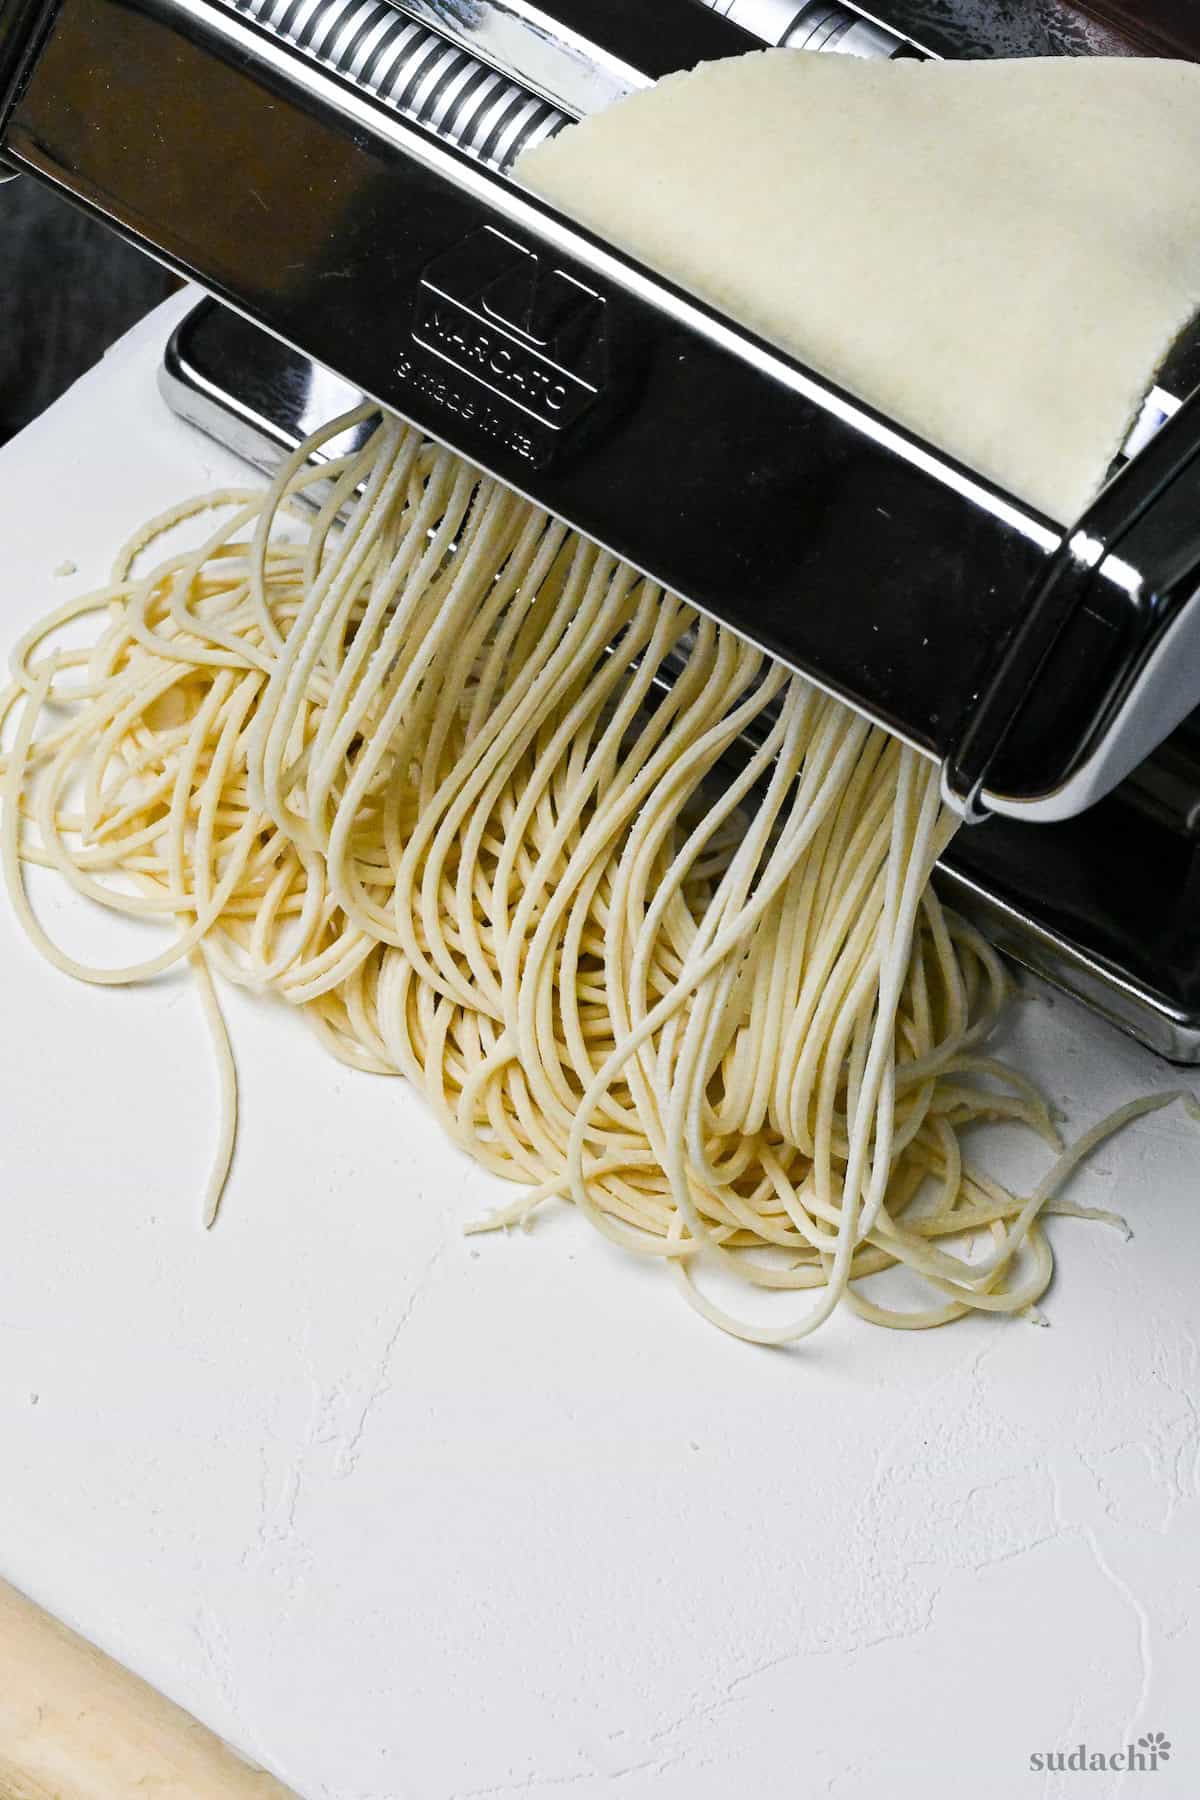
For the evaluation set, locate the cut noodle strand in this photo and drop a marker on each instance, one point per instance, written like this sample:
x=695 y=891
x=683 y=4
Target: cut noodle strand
x=478 y=799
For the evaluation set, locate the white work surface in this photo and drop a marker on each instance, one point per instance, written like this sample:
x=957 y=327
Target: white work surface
x=412 y=1516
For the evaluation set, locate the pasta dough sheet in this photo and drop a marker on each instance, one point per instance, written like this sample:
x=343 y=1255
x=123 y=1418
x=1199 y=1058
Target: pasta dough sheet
x=997 y=254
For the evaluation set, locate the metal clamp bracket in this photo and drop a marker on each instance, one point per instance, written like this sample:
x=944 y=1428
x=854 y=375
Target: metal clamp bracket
x=1156 y=584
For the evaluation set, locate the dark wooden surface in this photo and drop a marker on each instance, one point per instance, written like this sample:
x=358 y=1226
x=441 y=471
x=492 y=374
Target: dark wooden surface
x=68 y=289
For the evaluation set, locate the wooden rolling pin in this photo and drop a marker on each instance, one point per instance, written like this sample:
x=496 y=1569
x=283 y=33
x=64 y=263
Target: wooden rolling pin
x=74 y=1725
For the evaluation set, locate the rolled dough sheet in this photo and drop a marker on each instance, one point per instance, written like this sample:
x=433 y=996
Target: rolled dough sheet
x=996 y=254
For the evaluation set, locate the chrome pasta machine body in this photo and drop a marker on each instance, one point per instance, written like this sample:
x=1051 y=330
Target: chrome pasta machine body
x=335 y=173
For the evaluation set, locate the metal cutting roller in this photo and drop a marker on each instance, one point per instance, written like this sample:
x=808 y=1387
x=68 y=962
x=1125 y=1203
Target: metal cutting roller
x=335 y=174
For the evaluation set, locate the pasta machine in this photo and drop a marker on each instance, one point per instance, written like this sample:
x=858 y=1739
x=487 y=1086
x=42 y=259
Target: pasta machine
x=334 y=173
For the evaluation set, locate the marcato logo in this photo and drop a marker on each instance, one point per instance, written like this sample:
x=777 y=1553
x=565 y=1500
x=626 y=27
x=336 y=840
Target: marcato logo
x=1148 y=1754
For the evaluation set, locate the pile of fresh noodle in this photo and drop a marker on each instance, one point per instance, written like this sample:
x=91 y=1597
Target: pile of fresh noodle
x=409 y=762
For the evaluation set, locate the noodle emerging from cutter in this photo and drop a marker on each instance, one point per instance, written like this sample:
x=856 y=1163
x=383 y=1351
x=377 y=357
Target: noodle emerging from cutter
x=645 y=917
